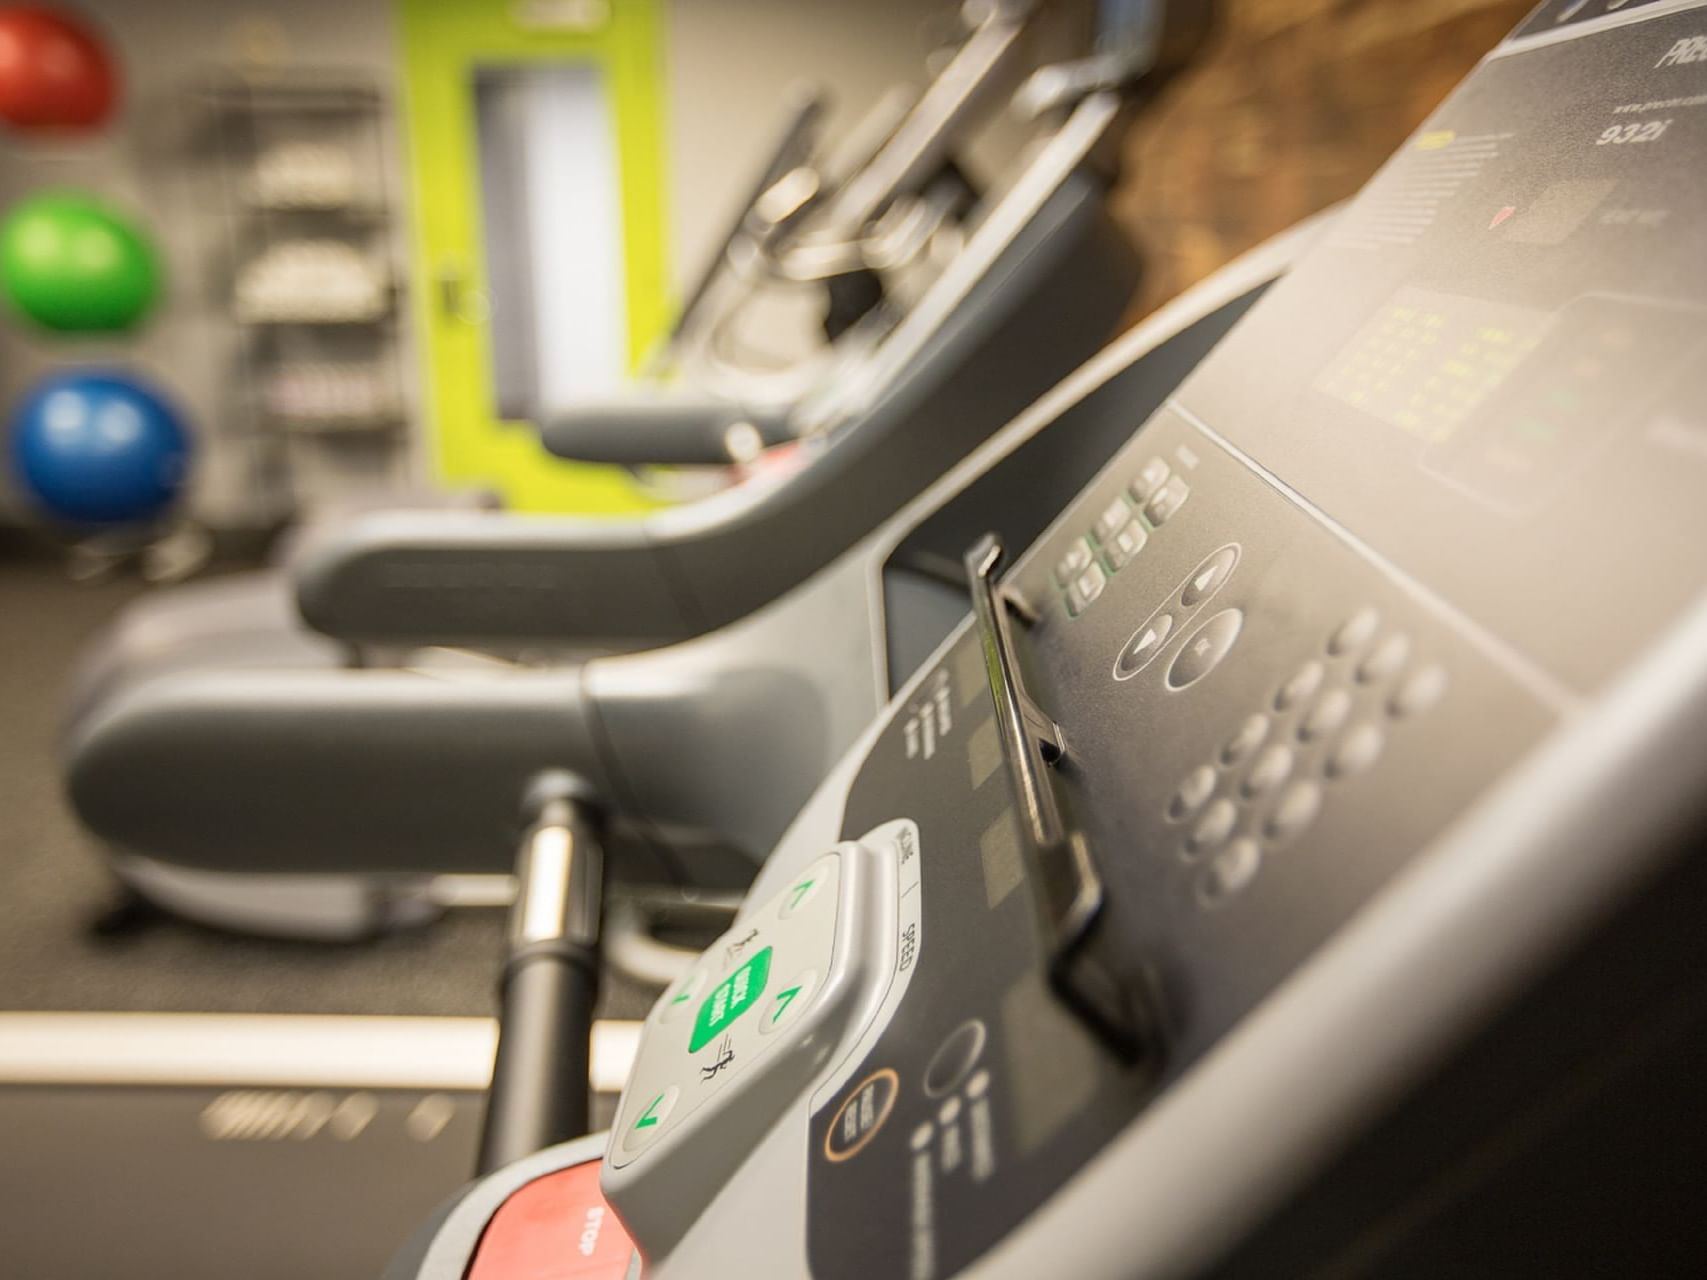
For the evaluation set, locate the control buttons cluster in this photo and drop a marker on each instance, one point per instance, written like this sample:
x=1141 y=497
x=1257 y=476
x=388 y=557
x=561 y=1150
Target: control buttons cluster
x=1119 y=532
x=753 y=983
x=1325 y=723
x=772 y=1017
x=1202 y=648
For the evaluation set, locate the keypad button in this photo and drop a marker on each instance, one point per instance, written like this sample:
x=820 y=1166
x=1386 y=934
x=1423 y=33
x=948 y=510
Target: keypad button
x=1203 y=649
x=1113 y=518
x=1192 y=794
x=1419 y=693
x=1213 y=827
x=1352 y=635
x=1326 y=716
x=1386 y=660
x=804 y=889
x=1299 y=804
x=678 y=1002
x=1301 y=687
x=1272 y=767
x=788 y=1003
x=955 y=1057
x=1086 y=588
x=1151 y=476
x=1207 y=578
x=1246 y=739
x=1127 y=543
x=648 y=1116
x=1145 y=644
x=1228 y=872
x=1166 y=500
x=1356 y=751
x=1076 y=560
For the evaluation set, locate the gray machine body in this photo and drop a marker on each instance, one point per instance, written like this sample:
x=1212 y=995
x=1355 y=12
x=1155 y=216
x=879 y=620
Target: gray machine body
x=1427 y=992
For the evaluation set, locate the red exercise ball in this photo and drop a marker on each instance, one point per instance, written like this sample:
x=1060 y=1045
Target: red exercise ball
x=54 y=72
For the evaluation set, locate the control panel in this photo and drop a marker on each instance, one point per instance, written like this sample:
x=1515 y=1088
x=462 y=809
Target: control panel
x=771 y=1006
x=1404 y=527
x=1316 y=608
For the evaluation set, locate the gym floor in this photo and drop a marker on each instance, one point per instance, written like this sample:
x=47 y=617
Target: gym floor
x=54 y=890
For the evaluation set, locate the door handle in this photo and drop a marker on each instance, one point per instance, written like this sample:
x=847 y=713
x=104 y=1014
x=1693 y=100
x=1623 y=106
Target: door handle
x=459 y=300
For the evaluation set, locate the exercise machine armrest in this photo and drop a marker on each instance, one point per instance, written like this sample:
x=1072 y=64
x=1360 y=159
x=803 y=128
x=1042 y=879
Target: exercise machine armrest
x=488 y=580
x=664 y=429
x=312 y=772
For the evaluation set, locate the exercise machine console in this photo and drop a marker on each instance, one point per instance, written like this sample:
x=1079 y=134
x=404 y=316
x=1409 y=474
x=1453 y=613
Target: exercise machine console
x=1302 y=873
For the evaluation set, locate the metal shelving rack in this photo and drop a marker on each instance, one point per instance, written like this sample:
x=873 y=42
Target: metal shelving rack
x=251 y=113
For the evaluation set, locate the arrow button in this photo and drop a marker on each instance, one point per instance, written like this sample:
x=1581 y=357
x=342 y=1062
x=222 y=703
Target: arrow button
x=786 y=1004
x=678 y=1001
x=649 y=1122
x=1207 y=578
x=804 y=889
x=1145 y=644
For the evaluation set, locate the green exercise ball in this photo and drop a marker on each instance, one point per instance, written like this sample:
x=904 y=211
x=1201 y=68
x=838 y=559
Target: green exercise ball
x=71 y=264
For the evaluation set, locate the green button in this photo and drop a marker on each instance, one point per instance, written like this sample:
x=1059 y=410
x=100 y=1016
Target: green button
x=729 y=999
x=649 y=1117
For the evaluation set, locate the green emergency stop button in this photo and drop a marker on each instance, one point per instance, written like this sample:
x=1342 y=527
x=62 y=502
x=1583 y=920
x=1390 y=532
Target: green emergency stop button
x=729 y=999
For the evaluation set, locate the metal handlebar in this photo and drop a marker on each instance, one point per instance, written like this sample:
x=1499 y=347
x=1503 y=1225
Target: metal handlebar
x=542 y=1072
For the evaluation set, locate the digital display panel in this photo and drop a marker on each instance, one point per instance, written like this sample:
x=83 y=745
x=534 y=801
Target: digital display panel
x=1490 y=372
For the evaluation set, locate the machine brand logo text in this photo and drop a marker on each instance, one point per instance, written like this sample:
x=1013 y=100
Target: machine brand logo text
x=1684 y=52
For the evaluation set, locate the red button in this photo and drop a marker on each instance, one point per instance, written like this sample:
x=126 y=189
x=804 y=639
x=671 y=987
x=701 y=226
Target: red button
x=556 y=1228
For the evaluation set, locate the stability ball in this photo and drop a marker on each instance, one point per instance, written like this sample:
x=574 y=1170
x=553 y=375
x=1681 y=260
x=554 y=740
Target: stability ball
x=99 y=448
x=70 y=263
x=54 y=72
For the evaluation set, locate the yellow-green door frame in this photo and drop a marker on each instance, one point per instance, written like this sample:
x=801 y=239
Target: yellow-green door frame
x=443 y=42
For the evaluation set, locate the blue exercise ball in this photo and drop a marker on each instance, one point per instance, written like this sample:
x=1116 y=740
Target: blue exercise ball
x=97 y=448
